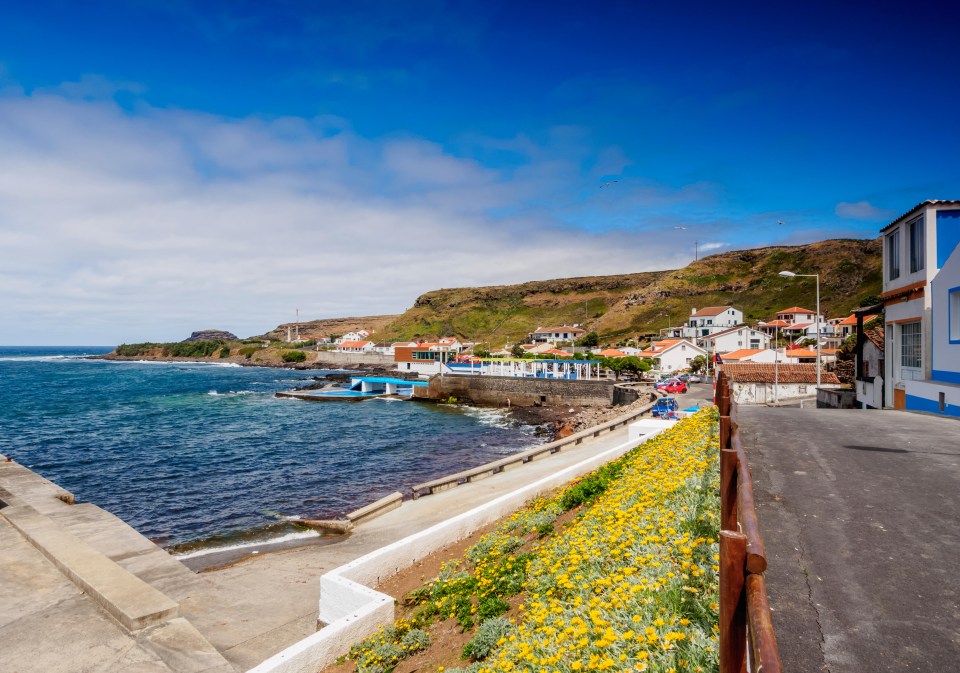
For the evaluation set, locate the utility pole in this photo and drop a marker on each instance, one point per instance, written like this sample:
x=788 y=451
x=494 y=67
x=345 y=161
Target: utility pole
x=696 y=251
x=298 y=323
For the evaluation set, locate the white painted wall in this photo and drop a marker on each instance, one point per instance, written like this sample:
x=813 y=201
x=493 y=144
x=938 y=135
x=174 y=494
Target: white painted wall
x=945 y=356
x=741 y=338
x=679 y=356
x=763 y=393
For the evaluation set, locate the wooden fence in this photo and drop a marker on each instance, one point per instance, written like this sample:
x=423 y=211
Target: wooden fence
x=747 y=640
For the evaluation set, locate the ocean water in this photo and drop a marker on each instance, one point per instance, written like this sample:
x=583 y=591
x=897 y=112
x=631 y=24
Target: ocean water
x=202 y=454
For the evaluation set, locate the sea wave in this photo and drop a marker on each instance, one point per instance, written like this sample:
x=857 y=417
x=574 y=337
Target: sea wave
x=42 y=358
x=496 y=418
x=204 y=551
x=230 y=393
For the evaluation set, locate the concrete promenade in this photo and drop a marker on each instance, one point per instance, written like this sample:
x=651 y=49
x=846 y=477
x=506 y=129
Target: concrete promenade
x=860 y=514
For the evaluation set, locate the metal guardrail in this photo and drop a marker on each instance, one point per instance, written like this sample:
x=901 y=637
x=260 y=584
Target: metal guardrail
x=517 y=459
x=747 y=639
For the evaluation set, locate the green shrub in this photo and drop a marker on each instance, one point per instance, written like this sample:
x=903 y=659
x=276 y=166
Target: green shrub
x=294 y=356
x=248 y=351
x=488 y=635
x=225 y=352
x=415 y=640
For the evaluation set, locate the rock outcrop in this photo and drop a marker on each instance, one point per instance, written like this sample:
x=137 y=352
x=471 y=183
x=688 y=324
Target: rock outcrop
x=211 y=335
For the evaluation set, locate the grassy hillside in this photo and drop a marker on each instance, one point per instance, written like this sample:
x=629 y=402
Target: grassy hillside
x=632 y=304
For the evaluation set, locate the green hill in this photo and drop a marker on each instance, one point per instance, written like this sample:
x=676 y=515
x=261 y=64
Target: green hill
x=628 y=305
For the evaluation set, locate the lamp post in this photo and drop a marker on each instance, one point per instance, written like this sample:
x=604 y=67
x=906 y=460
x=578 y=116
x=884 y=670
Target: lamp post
x=791 y=274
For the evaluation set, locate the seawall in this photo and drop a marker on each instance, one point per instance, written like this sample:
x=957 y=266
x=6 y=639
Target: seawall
x=519 y=392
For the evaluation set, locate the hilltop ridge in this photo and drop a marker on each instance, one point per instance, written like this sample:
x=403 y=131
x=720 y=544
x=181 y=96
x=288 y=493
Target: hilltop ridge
x=641 y=303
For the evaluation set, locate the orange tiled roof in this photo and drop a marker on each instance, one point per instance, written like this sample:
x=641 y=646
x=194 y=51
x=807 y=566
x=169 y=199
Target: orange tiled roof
x=754 y=372
x=775 y=323
x=852 y=320
x=354 y=344
x=802 y=353
x=613 y=353
x=795 y=309
x=740 y=354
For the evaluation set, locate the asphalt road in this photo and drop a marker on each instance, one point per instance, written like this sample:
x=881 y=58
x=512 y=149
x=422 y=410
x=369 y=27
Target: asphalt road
x=860 y=514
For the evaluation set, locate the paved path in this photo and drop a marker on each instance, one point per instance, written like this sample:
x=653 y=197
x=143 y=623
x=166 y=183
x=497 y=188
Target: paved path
x=860 y=513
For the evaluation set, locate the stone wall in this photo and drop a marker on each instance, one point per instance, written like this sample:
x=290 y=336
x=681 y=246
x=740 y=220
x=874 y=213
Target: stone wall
x=345 y=360
x=518 y=392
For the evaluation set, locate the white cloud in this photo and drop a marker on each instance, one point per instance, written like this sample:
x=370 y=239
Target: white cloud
x=707 y=247
x=862 y=210
x=119 y=226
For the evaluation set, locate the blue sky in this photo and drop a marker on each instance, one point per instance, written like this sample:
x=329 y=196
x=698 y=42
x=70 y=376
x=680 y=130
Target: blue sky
x=171 y=166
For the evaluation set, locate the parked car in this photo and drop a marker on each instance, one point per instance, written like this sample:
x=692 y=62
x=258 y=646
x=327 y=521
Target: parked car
x=676 y=388
x=666 y=382
x=665 y=407
x=693 y=378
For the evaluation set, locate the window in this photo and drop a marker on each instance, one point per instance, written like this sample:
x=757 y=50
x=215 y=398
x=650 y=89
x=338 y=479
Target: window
x=910 y=345
x=893 y=255
x=915 y=230
x=953 y=314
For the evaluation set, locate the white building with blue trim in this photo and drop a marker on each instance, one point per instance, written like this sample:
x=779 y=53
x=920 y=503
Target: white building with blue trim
x=921 y=297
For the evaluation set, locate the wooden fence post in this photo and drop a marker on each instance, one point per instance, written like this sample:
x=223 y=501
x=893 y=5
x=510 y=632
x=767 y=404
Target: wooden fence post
x=733 y=604
x=728 y=489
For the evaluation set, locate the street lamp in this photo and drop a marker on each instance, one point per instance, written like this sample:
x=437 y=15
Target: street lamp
x=791 y=274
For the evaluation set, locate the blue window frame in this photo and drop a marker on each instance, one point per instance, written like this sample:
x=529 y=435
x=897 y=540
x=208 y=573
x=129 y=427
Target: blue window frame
x=953 y=315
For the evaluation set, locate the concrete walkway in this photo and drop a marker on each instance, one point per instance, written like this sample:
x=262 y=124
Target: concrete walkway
x=860 y=513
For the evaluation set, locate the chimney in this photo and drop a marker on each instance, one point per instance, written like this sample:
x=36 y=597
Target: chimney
x=693 y=311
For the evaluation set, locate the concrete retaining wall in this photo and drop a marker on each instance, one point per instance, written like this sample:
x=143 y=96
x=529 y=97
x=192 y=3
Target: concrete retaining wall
x=518 y=392
x=836 y=398
x=346 y=360
x=353 y=611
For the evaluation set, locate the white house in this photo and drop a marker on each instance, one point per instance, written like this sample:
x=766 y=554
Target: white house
x=384 y=348
x=752 y=383
x=710 y=320
x=796 y=321
x=673 y=354
x=916 y=246
x=358 y=335
x=555 y=334
x=355 y=347
x=735 y=338
x=939 y=392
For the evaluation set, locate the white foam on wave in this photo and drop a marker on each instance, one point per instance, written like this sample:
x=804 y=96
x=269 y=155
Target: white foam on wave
x=230 y=393
x=493 y=417
x=206 y=551
x=42 y=358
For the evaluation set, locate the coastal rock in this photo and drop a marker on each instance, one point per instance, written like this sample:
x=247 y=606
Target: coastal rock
x=211 y=335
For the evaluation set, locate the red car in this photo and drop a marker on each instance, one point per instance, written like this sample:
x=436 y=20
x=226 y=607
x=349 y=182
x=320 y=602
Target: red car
x=675 y=388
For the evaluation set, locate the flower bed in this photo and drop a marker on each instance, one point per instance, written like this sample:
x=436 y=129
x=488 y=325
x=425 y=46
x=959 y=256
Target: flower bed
x=629 y=583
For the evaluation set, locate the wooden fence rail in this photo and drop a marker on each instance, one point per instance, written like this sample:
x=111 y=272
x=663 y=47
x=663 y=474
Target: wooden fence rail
x=747 y=640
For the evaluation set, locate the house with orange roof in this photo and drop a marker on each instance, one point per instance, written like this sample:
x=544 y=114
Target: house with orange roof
x=673 y=355
x=847 y=326
x=754 y=383
x=612 y=353
x=355 y=347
